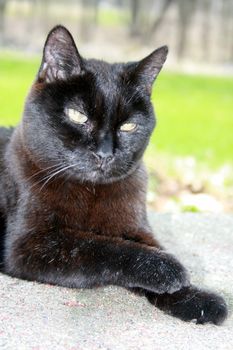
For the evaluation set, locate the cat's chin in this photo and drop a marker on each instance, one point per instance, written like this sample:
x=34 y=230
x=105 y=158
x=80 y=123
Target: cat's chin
x=103 y=178
x=97 y=178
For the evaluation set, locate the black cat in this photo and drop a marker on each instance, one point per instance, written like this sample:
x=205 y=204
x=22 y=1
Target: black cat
x=73 y=186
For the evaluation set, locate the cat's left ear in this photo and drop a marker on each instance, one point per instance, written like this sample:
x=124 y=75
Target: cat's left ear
x=147 y=70
x=61 y=58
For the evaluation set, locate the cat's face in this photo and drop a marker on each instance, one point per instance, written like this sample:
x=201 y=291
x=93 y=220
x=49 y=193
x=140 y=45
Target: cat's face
x=90 y=118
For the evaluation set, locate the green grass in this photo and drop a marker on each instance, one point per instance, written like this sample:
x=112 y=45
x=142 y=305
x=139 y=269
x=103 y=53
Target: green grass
x=112 y=17
x=195 y=117
x=16 y=76
x=195 y=113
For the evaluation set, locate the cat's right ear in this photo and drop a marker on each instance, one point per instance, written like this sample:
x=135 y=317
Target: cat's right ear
x=61 y=58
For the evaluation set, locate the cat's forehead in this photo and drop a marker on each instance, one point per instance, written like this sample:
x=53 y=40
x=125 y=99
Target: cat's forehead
x=107 y=75
x=109 y=83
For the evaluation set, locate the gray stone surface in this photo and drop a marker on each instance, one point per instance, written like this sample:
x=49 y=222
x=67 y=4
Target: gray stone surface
x=37 y=317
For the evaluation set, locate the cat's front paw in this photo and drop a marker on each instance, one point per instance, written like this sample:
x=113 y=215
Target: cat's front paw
x=161 y=273
x=172 y=276
x=192 y=304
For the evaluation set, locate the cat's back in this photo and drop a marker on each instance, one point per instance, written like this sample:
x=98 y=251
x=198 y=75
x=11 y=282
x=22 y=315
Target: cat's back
x=5 y=135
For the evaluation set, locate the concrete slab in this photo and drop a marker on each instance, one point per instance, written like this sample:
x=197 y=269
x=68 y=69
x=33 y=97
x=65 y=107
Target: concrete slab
x=38 y=317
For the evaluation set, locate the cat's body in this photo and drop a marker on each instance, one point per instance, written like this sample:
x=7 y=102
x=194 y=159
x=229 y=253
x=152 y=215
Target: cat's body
x=73 y=186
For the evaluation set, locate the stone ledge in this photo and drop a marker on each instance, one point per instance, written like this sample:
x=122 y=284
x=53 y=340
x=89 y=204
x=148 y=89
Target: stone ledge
x=37 y=317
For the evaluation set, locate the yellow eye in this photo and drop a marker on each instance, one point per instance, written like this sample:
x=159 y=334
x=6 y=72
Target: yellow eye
x=76 y=116
x=128 y=127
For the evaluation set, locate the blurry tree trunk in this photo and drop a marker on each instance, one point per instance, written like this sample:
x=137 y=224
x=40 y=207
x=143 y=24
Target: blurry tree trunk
x=226 y=31
x=231 y=32
x=39 y=15
x=45 y=12
x=159 y=17
x=33 y=15
x=120 y=3
x=88 y=18
x=96 y=11
x=83 y=21
x=2 y=17
x=185 y=10
x=206 y=30
x=135 y=12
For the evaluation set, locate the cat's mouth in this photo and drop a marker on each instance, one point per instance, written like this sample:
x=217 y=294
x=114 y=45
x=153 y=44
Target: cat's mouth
x=100 y=175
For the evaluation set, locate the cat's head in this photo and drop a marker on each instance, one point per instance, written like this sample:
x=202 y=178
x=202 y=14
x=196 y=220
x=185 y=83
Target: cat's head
x=89 y=117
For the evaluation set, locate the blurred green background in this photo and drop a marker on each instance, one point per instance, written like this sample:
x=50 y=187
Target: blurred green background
x=191 y=149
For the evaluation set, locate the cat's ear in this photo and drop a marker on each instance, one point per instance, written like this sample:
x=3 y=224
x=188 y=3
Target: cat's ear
x=61 y=58
x=147 y=70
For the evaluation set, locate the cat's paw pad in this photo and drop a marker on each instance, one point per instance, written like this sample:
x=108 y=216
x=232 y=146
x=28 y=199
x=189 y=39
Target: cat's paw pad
x=191 y=304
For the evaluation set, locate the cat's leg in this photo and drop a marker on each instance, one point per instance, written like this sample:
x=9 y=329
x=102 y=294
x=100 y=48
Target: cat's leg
x=86 y=260
x=191 y=304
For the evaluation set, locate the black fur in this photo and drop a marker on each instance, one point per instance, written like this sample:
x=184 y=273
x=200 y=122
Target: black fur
x=72 y=195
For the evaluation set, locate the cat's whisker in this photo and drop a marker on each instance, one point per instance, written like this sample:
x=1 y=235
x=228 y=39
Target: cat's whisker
x=56 y=173
x=43 y=170
x=48 y=177
x=44 y=178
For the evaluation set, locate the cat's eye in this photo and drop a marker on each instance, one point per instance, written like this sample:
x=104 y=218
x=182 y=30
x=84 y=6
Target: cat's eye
x=76 y=116
x=128 y=127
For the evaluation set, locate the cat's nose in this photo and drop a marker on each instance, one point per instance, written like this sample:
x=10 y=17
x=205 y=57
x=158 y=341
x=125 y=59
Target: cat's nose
x=104 y=152
x=103 y=158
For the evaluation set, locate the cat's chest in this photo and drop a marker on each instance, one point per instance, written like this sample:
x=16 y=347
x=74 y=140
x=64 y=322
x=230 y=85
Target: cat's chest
x=108 y=210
